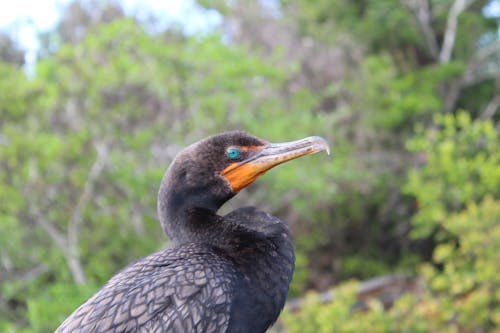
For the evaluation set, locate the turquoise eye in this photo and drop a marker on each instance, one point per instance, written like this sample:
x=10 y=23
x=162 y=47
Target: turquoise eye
x=233 y=153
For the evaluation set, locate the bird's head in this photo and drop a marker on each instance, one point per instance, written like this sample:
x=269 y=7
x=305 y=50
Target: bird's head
x=209 y=172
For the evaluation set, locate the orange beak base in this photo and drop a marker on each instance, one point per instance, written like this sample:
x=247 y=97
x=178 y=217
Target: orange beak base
x=241 y=174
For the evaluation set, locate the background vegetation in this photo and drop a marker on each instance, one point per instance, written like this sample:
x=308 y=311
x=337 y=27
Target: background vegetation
x=407 y=92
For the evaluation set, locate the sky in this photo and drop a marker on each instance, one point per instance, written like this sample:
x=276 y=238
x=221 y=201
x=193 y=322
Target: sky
x=26 y=18
x=42 y=15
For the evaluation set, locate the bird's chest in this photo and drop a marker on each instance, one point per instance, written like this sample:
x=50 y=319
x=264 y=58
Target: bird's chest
x=265 y=274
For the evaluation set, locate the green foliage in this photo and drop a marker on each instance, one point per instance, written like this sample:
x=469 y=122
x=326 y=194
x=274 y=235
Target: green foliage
x=314 y=317
x=462 y=162
x=362 y=19
x=461 y=285
x=462 y=296
x=381 y=75
x=469 y=277
x=399 y=99
x=60 y=297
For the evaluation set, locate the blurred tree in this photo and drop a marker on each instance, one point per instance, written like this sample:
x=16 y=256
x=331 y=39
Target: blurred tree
x=461 y=167
x=381 y=67
x=10 y=51
x=78 y=18
x=459 y=288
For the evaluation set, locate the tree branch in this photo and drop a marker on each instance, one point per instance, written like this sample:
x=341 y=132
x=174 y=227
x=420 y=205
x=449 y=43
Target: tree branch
x=484 y=64
x=69 y=244
x=49 y=228
x=77 y=216
x=61 y=242
x=451 y=29
x=491 y=108
x=26 y=277
x=387 y=289
x=423 y=14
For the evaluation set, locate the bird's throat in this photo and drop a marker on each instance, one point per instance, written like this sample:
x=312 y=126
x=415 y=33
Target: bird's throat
x=188 y=216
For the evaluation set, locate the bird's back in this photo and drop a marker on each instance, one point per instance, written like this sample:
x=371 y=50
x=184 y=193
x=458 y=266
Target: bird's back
x=238 y=286
x=183 y=289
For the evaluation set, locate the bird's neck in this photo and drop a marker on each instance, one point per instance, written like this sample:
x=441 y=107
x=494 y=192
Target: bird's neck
x=188 y=214
x=176 y=217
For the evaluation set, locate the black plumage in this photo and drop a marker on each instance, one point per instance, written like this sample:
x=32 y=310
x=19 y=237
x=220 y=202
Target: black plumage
x=222 y=273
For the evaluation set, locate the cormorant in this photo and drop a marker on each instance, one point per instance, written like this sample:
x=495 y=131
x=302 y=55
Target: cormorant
x=223 y=273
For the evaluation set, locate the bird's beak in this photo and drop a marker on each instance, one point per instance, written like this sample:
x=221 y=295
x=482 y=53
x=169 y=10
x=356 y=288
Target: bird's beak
x=241 y=174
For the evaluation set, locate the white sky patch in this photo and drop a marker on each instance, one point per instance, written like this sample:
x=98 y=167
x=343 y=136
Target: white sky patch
x=25 y=19
x=492 y=9
x=185 y=13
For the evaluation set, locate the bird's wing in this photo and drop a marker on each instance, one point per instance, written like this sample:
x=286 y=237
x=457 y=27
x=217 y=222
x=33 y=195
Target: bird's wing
x=186 y=290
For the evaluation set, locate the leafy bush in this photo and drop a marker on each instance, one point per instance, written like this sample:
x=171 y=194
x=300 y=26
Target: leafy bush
x=458 y=192
x=461 y=165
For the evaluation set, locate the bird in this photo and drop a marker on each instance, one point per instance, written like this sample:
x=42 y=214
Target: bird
x=224 y=274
